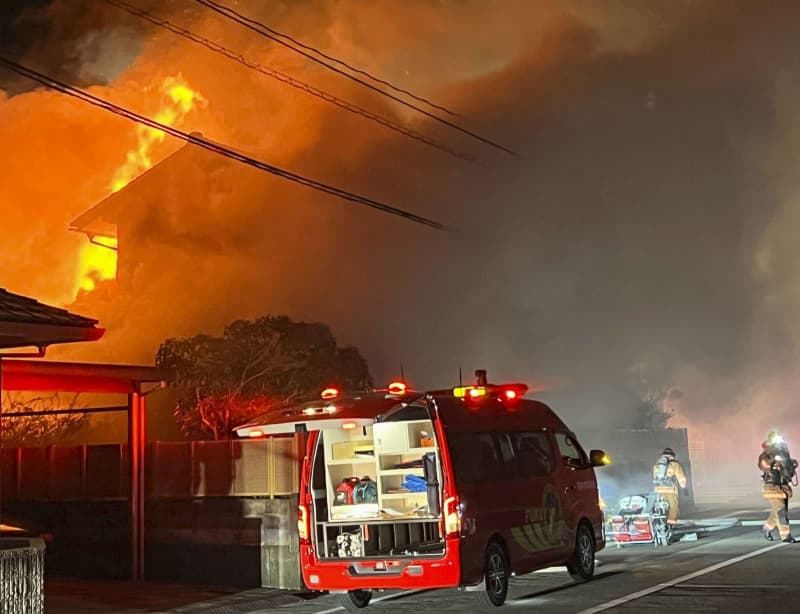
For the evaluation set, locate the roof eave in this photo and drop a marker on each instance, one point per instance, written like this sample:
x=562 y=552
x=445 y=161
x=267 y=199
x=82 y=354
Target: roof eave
x=21 y=334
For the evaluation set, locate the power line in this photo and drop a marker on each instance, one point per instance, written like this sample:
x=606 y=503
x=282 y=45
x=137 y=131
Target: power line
x=287 y=79
x=222 y=150
x=261 y=29
x=350 y=67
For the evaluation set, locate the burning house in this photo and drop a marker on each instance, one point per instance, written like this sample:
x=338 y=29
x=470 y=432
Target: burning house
x=154 y=208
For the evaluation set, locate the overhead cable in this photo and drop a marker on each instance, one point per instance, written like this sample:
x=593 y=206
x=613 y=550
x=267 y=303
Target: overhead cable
x=261 y=29
x=217 y=148
x=348 y=66
x=287 y=79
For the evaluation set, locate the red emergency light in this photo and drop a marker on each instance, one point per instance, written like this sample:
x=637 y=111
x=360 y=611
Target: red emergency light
x=330 y=393
x=398 y=388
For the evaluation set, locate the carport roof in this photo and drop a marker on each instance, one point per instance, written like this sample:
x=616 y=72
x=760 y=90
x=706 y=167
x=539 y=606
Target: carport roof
x=27 y=322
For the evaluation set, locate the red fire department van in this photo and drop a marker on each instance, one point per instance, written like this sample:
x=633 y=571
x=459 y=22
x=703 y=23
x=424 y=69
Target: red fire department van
x=462 y=487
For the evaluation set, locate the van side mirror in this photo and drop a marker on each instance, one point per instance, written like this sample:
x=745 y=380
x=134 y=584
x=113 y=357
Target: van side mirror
x=598 y=458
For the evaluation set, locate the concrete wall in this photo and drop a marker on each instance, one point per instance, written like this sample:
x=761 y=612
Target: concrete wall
x=217 y=512
x=224 y=541
x=633 y=453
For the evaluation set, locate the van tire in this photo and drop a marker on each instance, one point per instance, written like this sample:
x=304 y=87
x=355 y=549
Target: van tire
x=353 y=601
x=581 y=564
x=496 y=574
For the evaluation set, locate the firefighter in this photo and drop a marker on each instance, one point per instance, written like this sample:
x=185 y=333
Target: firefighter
x=777 y=471
x=668 y=475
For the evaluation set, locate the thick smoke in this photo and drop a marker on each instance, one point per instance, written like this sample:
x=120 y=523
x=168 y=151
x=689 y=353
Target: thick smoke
x=82 y=41
x=647 y=228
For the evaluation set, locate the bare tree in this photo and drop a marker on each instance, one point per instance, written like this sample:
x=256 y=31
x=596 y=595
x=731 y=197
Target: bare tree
x=651 y=413
x=43 y=429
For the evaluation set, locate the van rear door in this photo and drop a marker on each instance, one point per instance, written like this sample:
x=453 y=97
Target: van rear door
x=319 y=415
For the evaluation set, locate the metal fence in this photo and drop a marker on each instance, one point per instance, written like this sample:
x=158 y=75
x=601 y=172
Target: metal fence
x=175 y=470
x=21 y=576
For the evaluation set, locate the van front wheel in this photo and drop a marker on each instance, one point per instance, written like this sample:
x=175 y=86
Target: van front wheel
x=581 y=565
x=495 y=578
x=353 y=601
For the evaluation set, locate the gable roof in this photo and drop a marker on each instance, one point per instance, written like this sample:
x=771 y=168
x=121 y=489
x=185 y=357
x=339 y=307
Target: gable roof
x=101 y=219
x=27 y=322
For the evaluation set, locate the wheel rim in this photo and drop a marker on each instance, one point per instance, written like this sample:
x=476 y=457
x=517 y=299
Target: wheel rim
x=585 y=551
x=496 y=574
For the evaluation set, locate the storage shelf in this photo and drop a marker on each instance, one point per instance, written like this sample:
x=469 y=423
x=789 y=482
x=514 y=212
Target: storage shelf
x=352 y=461
x=402 y=495
x=392 y=443
x=408 y=471
x=410 y=451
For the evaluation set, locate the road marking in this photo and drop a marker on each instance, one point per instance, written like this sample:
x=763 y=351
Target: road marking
x=734 y=514
x=660 y=587
x=378 y=600
x=759 y=523
x=747 y=586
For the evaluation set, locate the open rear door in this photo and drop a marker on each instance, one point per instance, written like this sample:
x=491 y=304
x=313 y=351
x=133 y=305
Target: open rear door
x=355 y=412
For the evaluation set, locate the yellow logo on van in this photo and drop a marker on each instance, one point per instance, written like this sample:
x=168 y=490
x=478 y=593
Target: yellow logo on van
x=544 y=526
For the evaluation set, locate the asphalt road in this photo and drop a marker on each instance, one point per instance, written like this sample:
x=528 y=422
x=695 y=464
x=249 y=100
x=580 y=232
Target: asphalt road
x=729 y=570
x=733 y=570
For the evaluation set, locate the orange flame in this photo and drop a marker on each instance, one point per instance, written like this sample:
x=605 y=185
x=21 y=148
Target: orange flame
x=182 y=99
x=98 y=262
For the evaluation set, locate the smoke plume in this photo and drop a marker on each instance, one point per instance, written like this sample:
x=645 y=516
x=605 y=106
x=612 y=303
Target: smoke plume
x=646 y=233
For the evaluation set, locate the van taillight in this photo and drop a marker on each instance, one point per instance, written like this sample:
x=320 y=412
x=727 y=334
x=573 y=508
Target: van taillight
x=303 y=530
x=452 y=517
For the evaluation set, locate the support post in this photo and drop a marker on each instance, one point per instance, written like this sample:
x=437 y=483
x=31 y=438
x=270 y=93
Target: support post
x=136 y=460
x=1 y=440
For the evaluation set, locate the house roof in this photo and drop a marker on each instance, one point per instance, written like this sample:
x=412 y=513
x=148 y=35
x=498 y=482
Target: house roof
x=97 y=219
x=101 y=219
x=27 y=322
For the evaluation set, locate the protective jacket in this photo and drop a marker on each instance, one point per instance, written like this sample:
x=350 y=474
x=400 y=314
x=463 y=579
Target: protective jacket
x=668 y=475
x=777 y=470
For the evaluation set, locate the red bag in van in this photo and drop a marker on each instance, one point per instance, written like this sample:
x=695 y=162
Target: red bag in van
x=344 y=492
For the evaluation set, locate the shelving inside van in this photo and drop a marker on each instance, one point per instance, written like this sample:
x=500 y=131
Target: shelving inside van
x=399 y=514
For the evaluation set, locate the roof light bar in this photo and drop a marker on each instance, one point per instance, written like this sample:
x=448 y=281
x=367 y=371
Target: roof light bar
x=507 y=392
x=469 y=392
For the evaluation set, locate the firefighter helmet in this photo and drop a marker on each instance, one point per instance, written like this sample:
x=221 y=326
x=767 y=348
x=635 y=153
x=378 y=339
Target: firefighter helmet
x=774 y=438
